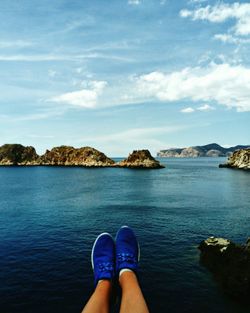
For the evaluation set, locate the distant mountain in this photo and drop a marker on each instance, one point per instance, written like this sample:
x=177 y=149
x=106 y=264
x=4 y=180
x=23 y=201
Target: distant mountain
x=210 y=150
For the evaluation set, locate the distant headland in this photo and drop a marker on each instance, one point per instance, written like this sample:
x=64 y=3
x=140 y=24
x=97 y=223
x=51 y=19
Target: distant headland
x=19 y=155
x=210 y=150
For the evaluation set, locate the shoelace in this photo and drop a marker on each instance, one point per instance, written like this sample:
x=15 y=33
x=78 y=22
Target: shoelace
x=126 y=257
x=105 y=267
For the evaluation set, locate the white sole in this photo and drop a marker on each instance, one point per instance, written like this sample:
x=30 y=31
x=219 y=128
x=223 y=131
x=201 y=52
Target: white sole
x=93 y=248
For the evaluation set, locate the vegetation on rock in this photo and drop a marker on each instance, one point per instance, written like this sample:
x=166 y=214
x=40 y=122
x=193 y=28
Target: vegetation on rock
x=16 y=154
x=70 y=156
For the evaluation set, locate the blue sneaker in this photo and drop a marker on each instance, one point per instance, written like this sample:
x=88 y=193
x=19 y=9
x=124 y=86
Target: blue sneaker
x=127 y=250
x=103 y=257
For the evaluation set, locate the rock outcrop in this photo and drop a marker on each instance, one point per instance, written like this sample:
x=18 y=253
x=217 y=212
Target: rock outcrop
x=210 y=150
x=16 y=154
x=229 y=263
x=140 y=159
x=69 y=156
x=240 y=159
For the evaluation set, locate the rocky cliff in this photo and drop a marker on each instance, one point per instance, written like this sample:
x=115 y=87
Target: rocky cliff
x=69 y=156
x=140 y=159
x=15 y=154
x=229 y=263
x=210 y=150
x=239 y=159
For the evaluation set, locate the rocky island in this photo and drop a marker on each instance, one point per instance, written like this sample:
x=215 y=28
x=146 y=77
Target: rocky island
x=140 y=159
x=18 y=155
x=15 y=154
x=210 y=150
x=240 y=159
x=229 y=263
x=70 y=156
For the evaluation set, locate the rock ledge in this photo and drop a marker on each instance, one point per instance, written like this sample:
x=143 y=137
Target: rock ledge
x=229 y=263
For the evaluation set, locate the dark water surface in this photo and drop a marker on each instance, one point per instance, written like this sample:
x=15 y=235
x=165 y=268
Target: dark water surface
x=49 y=218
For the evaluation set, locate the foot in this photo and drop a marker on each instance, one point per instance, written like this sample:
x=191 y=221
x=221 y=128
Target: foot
x=127 y=250
x=103 y=257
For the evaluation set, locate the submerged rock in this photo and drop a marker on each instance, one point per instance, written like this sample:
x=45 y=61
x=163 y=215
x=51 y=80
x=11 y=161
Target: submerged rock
x=230 y=264
x=16 y=154
x=140 y=159
x=240 y=159
x=70 y=156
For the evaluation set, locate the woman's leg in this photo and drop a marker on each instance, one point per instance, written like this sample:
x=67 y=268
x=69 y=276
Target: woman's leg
x=99 y=301
x=132 y=297
x=102 y=259
x=127 y=258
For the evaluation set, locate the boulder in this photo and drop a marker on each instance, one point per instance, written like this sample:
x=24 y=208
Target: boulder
x=140 y=159
x=229 y=263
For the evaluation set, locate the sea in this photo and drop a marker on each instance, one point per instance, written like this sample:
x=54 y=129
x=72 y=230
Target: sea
x=50 y=217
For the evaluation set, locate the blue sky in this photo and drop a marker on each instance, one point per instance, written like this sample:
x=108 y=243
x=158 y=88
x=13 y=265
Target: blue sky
x=120 y=75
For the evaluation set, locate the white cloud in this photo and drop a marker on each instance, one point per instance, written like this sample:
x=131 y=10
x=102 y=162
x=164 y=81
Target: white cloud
x=133 y=138
x=205 y=108
x=197 y=1
x=187 y=110
x=86 y=98
x=60 y=57
x=136 y=134
x=40 y=136
x=134 y=2
x=52 y=73
x=15 y=44
x=79 y=70
x=219 y=13
x=33 y=58
x=227 y=38
x=137 y=2
x=221 y=83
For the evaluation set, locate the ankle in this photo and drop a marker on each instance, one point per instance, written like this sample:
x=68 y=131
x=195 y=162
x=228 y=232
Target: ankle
x=104 y=284
x=127 y=278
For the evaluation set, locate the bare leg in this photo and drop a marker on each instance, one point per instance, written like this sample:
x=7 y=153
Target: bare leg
x=99 y=301
x=132 y=297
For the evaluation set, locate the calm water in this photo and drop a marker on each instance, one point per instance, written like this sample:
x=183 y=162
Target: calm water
x=49 y=218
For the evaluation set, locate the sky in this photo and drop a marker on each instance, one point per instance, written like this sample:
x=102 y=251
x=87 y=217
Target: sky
x=120 y=75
